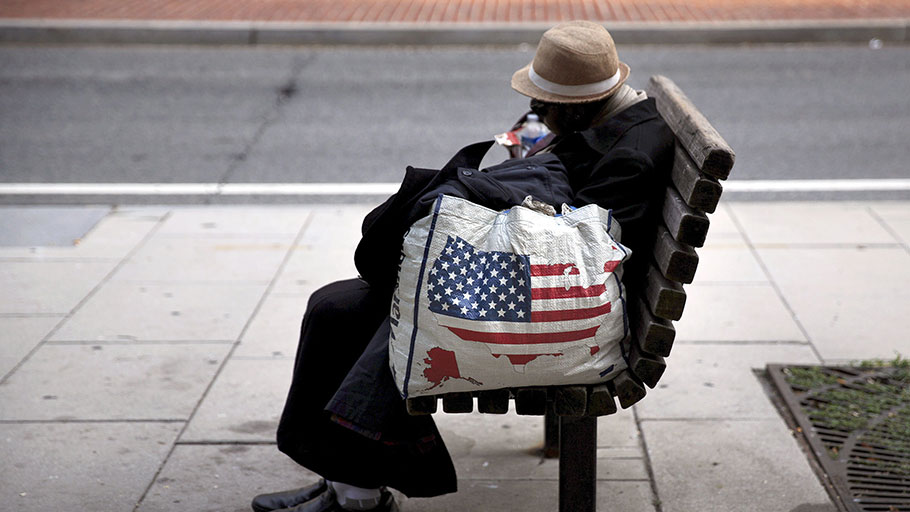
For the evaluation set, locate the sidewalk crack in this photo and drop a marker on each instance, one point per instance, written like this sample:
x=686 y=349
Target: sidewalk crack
x=284 y=94
x=777 y=289
x=887 y=227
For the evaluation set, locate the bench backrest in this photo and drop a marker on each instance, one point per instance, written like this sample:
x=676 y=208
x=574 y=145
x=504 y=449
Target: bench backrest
x=702 y=158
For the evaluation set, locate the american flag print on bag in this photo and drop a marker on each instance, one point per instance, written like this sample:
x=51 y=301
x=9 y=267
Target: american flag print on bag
x=488 y=297
x=488 y=300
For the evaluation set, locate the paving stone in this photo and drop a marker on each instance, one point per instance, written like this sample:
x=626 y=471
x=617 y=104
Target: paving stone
x=30 y=226
x=496 y=446
x=507 y=447
x=731 y=465
x=896 y=216
x=275 y=330
x=628 y=452
x=112 y=238
x=335 y=227
x=850 y=301
x=308 y=269
x=728 y=261
x=717 y=381
x=111 y=382
x=174 y=312
x=221 y=478
x=173 y=259
x=48 y=286
x=80 y=466
x=490 y=495
x=723 y=229
x=265 y=221
x=736 y=312
x=618 y=431
x=18 y=336
x=259 y=385
x=810 y=223
x=325 y=252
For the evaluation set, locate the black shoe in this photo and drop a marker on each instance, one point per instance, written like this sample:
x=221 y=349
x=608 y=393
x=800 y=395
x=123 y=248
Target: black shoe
x=326 y=502
x=287 y=499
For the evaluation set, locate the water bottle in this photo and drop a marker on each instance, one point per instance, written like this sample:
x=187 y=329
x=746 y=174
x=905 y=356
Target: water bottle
x=531 y=132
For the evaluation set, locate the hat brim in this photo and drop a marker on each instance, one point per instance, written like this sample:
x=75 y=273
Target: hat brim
x=522 y=83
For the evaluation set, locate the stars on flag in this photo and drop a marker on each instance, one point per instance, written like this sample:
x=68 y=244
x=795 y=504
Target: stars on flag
x=479 y=285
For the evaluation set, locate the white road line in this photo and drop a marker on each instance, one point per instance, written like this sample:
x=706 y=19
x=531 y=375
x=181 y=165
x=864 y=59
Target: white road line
x=205 y=189
x=858 y=185
x=379 y=189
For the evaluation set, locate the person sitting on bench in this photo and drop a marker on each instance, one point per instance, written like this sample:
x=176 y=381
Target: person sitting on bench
x=344 y=419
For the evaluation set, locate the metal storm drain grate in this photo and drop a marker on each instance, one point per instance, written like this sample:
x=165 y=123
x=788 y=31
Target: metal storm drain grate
x=857 y=422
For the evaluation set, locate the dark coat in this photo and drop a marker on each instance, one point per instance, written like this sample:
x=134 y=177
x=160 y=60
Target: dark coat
x=343 y=353
x=622 y=164
x=498 y=187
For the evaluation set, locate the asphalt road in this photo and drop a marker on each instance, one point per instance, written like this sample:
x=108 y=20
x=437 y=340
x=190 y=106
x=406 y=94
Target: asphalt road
x=143 y=114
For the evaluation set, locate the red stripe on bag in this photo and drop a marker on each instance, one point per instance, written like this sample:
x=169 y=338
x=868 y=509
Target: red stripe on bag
x=573 y=292
x=558 y=269
x=506 y=338
x=570 y=314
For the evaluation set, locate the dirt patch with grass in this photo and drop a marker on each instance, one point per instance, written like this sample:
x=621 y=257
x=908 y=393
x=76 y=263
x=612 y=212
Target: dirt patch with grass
x=856 y=420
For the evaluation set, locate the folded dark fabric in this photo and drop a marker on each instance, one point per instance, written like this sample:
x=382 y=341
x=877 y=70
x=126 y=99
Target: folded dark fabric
x=498 y=187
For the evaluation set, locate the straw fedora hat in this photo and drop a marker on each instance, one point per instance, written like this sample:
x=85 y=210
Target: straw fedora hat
x=575 y=62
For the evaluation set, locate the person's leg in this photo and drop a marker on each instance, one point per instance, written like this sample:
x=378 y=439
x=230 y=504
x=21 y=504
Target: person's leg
x=345 y=500
x=339 y=321
x=351 y=497
x=272 y=501
x=340 y=333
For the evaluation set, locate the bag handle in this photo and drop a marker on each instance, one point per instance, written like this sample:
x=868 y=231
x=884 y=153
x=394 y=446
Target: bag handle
x=469 y=156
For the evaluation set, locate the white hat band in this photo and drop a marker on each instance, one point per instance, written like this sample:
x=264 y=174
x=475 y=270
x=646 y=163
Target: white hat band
x=573 y=90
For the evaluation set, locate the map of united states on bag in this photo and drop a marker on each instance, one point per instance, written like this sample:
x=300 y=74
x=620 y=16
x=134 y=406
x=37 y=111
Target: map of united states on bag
x=505 y=299
x=491 y=299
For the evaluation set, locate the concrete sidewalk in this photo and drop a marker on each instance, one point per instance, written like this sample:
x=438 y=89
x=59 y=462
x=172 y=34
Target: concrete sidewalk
x=145 y=368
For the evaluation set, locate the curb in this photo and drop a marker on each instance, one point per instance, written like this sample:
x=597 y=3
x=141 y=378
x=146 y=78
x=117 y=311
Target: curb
x=30 y=31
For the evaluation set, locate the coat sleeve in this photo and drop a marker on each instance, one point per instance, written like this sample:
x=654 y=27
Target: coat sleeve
x=631 y=179
x=626 y=181
x=376 y=256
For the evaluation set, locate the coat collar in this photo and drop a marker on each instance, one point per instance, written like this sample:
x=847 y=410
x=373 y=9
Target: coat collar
x=603 y=137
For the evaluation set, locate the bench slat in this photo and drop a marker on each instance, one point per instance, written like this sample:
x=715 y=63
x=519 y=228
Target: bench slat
x=666 y=298
x=687 y=225
x=628 y=389
x=600 y=401
x=421 y=405
x=495 y=401
x=676 y=261
x=647 y=367
x=708 y=149
x=531 y=401
x=457 y=403
x=700 y=191
x=571 y=400
x=655 y=335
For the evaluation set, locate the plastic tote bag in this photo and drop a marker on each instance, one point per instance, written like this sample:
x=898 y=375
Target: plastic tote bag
x=491 y=300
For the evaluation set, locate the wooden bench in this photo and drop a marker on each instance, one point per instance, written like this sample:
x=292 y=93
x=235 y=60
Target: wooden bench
x=702 y=158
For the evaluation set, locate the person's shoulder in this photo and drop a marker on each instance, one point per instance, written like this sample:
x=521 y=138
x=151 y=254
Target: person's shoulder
x=642 y=117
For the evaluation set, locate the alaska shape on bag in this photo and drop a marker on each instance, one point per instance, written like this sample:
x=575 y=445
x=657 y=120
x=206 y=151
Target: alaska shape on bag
x=490 y=300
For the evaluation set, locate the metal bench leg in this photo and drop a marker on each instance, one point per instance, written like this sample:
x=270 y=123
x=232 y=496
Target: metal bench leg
x=550 y=435
x=577 y=463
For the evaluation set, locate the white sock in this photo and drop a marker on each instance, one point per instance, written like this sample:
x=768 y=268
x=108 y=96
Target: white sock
x=356 y=498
